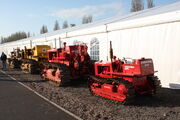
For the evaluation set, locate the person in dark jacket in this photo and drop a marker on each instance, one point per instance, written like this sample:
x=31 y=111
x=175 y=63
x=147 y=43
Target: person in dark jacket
x=3 y=59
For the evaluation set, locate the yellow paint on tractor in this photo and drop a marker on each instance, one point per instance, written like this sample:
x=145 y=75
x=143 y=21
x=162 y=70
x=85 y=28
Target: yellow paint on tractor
x=38 y=53
x=33 y=56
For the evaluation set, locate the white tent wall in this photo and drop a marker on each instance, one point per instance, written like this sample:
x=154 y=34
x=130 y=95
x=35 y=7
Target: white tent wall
x=102 y=38
x=145 y=21
x=39 y=41
x=8 y=47
x=159 y=42
x=90 y=31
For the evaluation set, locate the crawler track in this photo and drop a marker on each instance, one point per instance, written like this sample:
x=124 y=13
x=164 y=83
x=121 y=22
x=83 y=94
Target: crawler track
x=30 y=66
x=14 y=63
x=61 y=79
x=99 y=80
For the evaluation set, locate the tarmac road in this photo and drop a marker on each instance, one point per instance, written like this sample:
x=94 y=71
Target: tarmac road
x=18 y=103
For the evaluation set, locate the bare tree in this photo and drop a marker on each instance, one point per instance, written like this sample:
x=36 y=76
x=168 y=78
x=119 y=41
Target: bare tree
x=84 y=19
x=2 y=39
x=65 y=24
x=150 y=4
x=137 y=5
x=44 y=29
x=14 y=37
x=56 y=26
x=72 y=25
x=87 y=19
x=90 y=18
x=28 y=34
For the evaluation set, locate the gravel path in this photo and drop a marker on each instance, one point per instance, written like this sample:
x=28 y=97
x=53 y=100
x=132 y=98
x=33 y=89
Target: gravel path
x=78 y=100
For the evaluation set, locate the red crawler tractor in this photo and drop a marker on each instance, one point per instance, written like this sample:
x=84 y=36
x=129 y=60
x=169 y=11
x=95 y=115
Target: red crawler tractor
x=116 y=80
x=65 y=64
x=119 y=79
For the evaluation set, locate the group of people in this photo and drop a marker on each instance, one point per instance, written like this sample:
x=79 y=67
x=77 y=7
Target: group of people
x=3 y=59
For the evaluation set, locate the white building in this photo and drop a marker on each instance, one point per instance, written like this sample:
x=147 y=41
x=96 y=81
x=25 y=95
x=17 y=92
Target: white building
x=152 y=33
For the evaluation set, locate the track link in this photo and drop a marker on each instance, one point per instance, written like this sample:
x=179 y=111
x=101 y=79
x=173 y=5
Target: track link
x=65 y=76
x=100 y=80
x=156 y=83
x=30 y=66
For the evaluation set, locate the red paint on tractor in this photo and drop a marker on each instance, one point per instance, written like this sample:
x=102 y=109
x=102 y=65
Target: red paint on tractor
x=119 y=79
x=65 y=64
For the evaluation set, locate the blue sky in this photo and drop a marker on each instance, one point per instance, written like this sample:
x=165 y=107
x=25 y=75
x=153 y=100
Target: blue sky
x=30 y=15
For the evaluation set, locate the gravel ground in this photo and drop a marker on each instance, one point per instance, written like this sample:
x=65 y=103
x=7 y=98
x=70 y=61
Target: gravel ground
x=78 y=100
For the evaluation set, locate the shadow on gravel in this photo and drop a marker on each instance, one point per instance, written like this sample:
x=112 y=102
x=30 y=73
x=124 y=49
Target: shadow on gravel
x=11 y=69
x=2 y=75
x=25 y=81
x=164 y=98
x=79 y=83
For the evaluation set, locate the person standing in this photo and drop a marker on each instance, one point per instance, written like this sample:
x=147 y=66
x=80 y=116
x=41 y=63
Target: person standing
x=3 y=59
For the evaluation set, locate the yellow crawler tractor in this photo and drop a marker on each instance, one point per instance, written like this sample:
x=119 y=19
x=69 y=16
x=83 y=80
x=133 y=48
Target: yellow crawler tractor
x=32 y=57
x=15 y=58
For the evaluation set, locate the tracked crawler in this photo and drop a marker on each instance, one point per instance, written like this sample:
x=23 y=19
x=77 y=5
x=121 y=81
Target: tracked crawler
x=15 y=58
x=66 y=64
x=33 y=57
x=120 y=79
x=28 y=59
